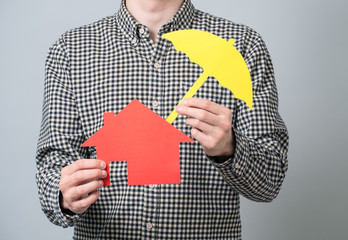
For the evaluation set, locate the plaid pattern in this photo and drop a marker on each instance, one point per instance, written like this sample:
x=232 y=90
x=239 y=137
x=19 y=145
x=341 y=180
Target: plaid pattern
x=101 y=68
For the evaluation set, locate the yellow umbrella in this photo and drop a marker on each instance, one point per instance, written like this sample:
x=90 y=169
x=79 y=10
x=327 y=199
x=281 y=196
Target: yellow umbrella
x=218 y=58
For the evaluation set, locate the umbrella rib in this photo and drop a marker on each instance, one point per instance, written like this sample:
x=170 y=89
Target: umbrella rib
x=199 y=82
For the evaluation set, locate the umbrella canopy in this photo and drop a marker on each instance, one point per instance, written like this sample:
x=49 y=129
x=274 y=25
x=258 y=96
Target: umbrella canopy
x=218 y=58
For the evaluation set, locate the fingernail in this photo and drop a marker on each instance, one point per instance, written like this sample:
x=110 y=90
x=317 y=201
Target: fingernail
x=102 y=165
x=104 y=174
x=178 y=109
x=101 y=183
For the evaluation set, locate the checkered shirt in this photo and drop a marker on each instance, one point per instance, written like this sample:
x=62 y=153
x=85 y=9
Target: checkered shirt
x=102 y=67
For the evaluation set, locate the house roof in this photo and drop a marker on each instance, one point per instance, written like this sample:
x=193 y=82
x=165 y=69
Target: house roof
x=133 y=124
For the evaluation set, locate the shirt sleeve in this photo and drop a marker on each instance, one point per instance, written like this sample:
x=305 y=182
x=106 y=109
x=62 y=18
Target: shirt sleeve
x=258 y=166
x=60 y=134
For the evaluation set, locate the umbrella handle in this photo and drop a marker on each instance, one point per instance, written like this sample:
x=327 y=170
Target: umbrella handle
x=199 y=82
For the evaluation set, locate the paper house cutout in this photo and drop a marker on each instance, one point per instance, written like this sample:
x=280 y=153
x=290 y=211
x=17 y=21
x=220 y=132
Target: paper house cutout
x=148 y=143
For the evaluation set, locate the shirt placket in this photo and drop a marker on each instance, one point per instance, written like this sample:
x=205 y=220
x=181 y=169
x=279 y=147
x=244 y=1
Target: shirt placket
x=152 y=193
x=150 y=211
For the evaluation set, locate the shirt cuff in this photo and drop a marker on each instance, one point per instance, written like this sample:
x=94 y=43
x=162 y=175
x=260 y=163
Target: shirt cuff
x=63 y=219
x=238 y=162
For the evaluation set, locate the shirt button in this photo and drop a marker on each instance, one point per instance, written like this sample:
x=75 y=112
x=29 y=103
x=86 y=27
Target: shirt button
x=134 y=41
x=149 y=225
x=237 y=166
x=155 y=103
x=152 y=186
x=141 y=30
x=157 y=65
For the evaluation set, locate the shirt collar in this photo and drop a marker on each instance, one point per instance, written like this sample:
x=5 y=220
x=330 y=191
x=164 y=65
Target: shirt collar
x=181 y=20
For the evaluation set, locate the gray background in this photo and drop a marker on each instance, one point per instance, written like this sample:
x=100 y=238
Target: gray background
x=307 y=41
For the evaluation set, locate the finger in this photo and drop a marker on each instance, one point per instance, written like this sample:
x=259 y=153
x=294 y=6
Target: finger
x=200 y=125
x=197 y=113
x=200 y=136
x=206 y=105
x=82 y=191
x=84 y=164
x=84 y=176
x=81 y=205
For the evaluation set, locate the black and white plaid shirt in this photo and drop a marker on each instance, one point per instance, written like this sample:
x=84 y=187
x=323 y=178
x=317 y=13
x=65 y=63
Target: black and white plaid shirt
x=101 y=68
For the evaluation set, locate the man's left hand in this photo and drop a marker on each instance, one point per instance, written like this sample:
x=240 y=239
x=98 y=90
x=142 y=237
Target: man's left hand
x=211 y=126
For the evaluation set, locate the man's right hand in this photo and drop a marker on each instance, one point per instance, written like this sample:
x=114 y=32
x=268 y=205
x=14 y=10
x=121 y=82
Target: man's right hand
x=79 y=184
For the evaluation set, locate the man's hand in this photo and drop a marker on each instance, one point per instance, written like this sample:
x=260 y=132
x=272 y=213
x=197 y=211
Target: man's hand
x=79 y=184
x=211 y=126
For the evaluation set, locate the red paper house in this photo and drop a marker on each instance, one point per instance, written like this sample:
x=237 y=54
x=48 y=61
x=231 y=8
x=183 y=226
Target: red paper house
x=148 y=143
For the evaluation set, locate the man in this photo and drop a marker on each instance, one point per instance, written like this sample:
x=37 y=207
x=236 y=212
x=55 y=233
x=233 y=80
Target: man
x=101 y=68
